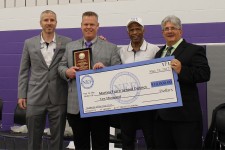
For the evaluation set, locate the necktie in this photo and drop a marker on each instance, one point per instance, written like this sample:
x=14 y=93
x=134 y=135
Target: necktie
x=88 y=44
x=168 y=52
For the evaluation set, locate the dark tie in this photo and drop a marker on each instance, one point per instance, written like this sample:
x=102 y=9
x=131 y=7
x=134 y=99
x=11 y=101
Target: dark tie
x=88 y=44
x=168 y=52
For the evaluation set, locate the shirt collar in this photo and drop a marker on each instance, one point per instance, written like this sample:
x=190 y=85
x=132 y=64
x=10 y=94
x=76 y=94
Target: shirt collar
x=43 y=41
x=143 y=46
x=176 y=44
x=92 y=41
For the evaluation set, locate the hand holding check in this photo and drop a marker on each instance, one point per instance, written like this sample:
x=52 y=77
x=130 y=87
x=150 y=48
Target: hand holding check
x=176 y=65
x=98 y=65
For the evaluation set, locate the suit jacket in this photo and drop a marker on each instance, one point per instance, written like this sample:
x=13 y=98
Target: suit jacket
x=103 y=51
x=195 y=69
x=37 y=82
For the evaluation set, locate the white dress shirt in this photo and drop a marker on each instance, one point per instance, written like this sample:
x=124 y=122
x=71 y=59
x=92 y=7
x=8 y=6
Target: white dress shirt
x=48 y=51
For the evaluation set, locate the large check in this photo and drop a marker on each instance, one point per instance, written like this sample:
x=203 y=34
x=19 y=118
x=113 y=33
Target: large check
x=127 y=88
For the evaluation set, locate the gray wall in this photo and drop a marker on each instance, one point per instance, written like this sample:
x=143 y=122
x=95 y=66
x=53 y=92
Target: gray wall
x=216 y=85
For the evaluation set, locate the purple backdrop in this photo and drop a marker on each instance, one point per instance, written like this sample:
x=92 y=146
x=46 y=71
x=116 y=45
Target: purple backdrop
x=12 y=43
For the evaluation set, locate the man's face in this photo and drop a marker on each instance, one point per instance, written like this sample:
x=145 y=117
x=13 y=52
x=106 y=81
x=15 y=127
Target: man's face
x=135 y=32
x=48 y=23
x=171 y=34
x=89 y=27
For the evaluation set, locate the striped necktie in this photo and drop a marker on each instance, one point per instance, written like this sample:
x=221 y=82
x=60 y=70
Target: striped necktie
x=168 y=52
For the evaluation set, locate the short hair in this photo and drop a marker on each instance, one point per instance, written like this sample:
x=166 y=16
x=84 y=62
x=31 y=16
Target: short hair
x=173 y=19
x=48 y=12
x=90 y=13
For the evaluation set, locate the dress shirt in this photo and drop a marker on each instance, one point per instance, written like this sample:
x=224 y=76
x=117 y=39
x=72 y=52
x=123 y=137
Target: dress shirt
x=92 y=41
x=48 y=51
x=174 y=47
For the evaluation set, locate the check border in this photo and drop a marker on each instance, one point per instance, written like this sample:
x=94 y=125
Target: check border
x=127 y=110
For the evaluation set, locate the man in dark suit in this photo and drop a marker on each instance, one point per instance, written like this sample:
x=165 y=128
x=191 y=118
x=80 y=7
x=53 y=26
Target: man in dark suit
x=181 y=127
x=40 y=89
x=103 y=54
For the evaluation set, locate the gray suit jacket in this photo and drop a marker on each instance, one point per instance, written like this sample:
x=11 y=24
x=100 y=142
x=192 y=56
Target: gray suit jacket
x=37 y=82
x=103 y=51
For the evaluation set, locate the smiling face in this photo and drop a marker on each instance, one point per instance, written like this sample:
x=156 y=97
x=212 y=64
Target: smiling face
x=135 y=32
x=171 y=33
x=48 y=23
x=89 y=27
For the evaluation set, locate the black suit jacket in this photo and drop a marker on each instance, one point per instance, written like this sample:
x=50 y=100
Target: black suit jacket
x=195 y=69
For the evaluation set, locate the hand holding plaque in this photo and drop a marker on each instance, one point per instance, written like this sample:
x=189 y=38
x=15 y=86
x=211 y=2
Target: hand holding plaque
x=82 y=58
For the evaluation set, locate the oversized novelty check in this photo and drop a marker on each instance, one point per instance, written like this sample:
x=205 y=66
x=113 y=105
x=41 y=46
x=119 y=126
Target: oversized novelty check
x=127 y=88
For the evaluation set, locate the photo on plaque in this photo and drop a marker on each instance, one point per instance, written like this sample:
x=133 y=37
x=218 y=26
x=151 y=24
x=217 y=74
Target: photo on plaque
x=82 y=58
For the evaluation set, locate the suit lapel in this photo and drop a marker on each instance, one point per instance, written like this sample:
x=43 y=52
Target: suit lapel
x=159 y=53
x=58 y=46
x=57 y=49
x=97 y=48
x=37 y=46
x=179 y=49
x=79 y=44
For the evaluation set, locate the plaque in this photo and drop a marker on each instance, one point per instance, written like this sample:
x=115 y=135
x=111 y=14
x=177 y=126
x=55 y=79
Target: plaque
x=82 y=58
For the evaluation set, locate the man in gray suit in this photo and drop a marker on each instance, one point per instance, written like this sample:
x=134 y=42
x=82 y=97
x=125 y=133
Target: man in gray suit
x=103 y=54
x=41 y=91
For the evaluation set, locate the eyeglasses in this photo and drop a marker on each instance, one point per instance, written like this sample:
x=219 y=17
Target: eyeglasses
x=170 y=29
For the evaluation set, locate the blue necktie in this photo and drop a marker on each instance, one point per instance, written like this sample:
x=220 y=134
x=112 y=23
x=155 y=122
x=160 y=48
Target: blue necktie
x=88 y=44
x=168 y=52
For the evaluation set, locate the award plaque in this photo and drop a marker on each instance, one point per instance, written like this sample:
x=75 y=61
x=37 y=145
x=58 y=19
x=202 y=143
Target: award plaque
x=82 y=58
